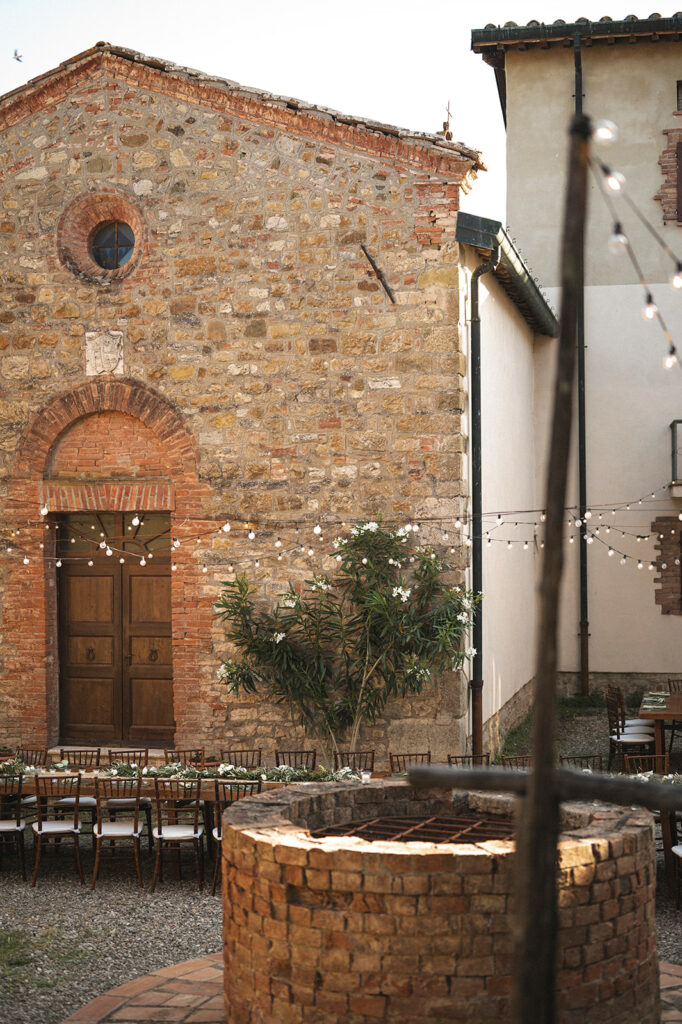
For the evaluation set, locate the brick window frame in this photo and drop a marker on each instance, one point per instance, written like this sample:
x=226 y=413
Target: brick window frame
x=669 y=580
x=79 y=222
x=670 y=161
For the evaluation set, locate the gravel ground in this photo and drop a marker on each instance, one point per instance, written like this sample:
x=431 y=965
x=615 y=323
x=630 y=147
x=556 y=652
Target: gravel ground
x=62 y=944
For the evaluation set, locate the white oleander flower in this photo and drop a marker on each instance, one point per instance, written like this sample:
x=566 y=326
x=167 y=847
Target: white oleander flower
x=289 y=602
x=402 y=592
x=278 y=637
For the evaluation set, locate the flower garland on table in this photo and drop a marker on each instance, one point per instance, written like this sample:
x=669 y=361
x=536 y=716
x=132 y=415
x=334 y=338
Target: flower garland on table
x=284 y=773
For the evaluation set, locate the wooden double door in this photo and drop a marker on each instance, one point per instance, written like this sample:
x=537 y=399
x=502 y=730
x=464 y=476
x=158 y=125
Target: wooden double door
x=116 y=672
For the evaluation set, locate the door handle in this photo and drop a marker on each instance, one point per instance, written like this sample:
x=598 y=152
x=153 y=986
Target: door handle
x=90 y=654
x=153 y=654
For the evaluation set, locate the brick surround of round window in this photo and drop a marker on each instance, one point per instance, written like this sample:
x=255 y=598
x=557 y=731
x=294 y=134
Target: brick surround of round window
x=78 y=224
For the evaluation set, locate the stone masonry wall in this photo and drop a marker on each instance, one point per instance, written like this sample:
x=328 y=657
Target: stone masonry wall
x=252 y=317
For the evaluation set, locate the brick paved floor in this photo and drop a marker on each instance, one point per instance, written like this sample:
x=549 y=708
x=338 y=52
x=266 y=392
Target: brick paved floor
x=187 y=993
x=192 y=993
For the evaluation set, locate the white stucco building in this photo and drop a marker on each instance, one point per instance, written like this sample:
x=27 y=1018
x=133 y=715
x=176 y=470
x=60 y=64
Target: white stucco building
x=632 y=75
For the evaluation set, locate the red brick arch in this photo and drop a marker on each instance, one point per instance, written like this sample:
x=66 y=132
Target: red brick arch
x=126 y=396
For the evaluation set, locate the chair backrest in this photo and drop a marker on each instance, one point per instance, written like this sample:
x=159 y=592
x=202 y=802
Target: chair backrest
x=50 y=790
x=244 y=758
x=88 y=757
x=517 y=762
x=469 y=760
x=593 y=761
x=675 y=684
x=131 y=755
x=226 y=792
x=636 y=764
x=32 y=755
x=117 y=789
x=613 y=713
x=190 y=755
x=358 y=760
x=399 y=762
x=296 y=758
x=10 y=798
x=177 y=803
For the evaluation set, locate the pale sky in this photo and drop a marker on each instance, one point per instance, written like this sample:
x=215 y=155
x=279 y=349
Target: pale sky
x=394 y=61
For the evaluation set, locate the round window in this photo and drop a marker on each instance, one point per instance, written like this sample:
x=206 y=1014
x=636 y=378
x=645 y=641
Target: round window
x=112 y=244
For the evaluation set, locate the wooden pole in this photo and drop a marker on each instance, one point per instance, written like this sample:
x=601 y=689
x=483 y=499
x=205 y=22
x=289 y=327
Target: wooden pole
x=539 y=831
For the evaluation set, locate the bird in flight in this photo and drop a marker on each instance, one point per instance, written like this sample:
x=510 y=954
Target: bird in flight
x=17 y=56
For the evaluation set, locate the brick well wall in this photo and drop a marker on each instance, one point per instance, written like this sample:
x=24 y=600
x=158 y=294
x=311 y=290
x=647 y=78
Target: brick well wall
x=340 y=929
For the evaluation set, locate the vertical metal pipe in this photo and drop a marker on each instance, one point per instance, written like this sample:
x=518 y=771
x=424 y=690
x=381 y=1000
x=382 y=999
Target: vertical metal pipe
x=582 y=443
x=476 y=681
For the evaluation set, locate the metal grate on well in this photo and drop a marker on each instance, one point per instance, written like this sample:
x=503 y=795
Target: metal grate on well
x=425 y=830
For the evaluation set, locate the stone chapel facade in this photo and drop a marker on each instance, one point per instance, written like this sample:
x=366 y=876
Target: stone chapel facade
x=243 y=362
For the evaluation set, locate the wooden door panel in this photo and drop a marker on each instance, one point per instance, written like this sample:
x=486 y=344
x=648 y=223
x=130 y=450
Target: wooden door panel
x=90 y=653
x=150 y=650
x=150 y=598
x=148 y=670
x=87 y=707
x=91 y=650
x=91 y=598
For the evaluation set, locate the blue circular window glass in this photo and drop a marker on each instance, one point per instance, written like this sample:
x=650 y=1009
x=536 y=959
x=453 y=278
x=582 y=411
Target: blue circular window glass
x=112 y=244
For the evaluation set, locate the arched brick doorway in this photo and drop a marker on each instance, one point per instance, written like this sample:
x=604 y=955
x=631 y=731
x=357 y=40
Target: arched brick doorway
x=114 y=447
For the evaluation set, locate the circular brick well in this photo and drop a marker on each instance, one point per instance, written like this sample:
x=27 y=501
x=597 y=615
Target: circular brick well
x=343 y=929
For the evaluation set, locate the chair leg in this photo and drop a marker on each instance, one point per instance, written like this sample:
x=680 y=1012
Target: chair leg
x=36 y=860
x=22 y=855
x=199 y=861
x=136 y=850
x=216 y=867
x=157 y=865
x=77 y=856
x=672 y=737
x=95 y=871
x=150 y=838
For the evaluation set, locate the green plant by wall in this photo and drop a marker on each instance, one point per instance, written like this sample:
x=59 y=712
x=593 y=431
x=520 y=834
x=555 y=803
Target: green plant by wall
x=337 y=650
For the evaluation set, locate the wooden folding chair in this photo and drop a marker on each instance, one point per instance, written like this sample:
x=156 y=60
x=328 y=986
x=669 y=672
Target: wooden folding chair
x=592 y=761
x=357 y=760
x=245 y=757
x=177 y=823
x=641 y=764
x=226 y=792
x=193 y=756
x=400 y=762
x=296 y=758
x=469 y=760
x=80 y=760
x=12 y=824
x=114 y=796
x=517 y=762
x=58 y=809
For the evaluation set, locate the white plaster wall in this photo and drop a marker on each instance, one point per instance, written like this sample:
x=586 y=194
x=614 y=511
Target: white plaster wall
x=630 y=398
x=509 y=484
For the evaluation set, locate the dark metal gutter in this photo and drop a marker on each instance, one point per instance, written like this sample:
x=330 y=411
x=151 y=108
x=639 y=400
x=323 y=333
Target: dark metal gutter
x=490 y=239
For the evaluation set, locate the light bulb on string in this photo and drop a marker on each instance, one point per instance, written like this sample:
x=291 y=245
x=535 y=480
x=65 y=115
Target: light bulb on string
x=230 y=567
x=226 y=528
x=605 y=132
x=44 y=510
x=204 y=568
x=611 y=552
x=176 y=542
x=73 y=540
x=174 y=567
x=664 y=565
x=150 y=554
x=136 y=520
x=525 y=545
x=279 y=557
x=588 y=514
x=258 y=563
x=90 y=562
x=58 y=563
x=618 y=241
x=41 y=546
x=458 y=523
x=676 y=279
x=640 y=565
x=677 y=561
x=613 y=181
x=108 y=552
x=143 y=561
x=651 y=566
x=317 y=529
x=670 y=359
x=122 y=561
x=543 y=517
x=102 y=544
x=251 y=535
x=310 y=552
x=650 y=310
x=278 y=543
x=578 y=523
x=415 y=528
